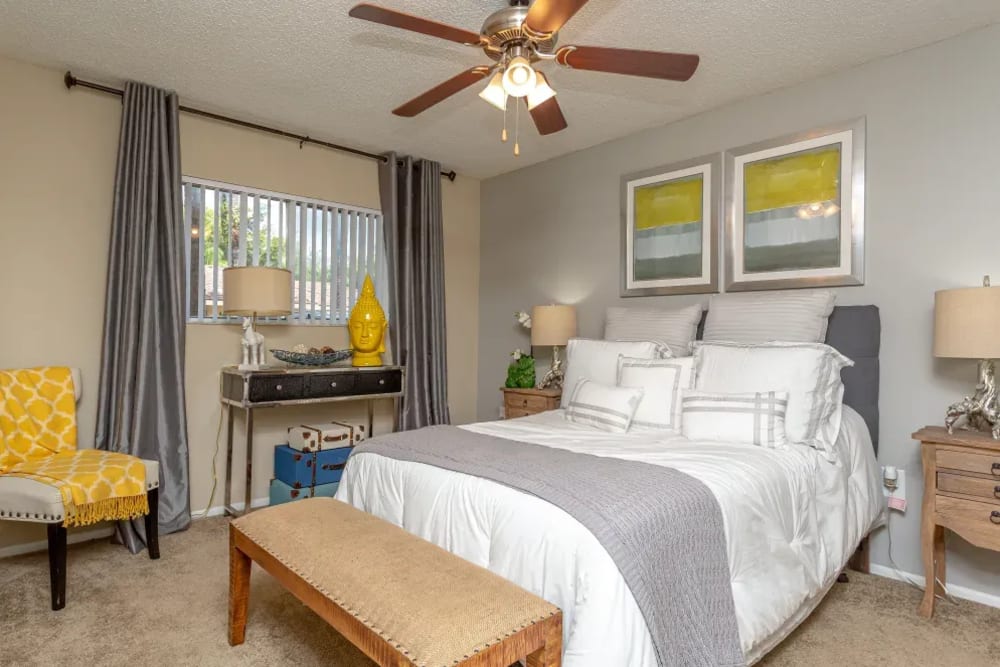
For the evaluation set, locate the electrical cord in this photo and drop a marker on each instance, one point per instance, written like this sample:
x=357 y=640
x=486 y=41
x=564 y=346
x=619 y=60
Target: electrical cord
x=215 y=457
x=902 y=575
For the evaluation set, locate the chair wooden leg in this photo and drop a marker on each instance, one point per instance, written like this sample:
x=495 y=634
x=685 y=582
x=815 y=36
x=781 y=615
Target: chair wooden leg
x=57 y=565
x=239 y=591
x=153 y=524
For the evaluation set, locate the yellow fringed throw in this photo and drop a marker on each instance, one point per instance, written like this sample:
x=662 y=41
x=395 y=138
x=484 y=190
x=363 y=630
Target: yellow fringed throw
x=38 y=442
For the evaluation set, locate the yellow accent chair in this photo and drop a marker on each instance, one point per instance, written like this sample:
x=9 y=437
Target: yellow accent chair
x=28 y=500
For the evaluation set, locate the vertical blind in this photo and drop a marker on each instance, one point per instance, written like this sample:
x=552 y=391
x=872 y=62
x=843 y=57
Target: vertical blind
x=328 y=247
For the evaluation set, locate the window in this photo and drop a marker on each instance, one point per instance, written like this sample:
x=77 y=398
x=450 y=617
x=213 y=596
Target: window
x=328 y=247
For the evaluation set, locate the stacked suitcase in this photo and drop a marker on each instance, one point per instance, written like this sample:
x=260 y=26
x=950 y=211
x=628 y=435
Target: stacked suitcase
x=312 y=462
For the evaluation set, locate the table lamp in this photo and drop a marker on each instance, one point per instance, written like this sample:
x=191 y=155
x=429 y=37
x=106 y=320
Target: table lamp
x=967 y=326
x=251 y=291
x=553 y=325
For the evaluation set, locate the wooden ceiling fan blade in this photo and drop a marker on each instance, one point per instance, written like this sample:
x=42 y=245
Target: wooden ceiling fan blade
x=548 y=16
x=396 y=19
x=652 y=64
x=548 y=117
x=442 y=91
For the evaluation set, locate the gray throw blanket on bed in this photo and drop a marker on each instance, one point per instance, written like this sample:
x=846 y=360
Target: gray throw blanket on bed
x=663 y=528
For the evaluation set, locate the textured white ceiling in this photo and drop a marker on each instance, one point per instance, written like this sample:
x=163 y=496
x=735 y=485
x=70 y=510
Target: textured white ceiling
x=307 y=66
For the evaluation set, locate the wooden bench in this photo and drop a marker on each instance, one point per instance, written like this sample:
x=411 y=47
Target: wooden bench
x=400 y=599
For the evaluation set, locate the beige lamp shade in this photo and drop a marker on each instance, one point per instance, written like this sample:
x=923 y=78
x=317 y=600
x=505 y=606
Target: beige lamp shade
x=256 y=290
x=967 y=323
x=552 y=325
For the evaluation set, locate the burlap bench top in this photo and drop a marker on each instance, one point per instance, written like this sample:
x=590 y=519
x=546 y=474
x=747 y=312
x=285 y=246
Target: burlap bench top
x=434 y=608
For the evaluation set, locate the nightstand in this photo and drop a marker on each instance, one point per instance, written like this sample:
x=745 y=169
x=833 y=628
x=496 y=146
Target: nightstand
x=524 y=402
x=961 y=493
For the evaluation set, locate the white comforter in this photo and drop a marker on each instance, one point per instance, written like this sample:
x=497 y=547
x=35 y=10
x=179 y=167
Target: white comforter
x=792 y=520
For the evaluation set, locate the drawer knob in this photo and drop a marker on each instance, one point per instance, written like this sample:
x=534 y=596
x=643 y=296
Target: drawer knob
x=333 y=384
x=996 y=491
x=383 y=382
x=524 y=402
x=995 y=517
x=995 y=469
x=278 y=387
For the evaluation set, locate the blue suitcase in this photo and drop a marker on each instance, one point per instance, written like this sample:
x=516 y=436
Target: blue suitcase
x=301 y=469
x=283 y=493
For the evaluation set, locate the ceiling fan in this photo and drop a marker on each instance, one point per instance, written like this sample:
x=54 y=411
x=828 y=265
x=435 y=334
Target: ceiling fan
x=516 y=38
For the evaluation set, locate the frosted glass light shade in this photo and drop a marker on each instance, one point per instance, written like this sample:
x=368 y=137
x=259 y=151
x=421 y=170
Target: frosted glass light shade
x=519 y=78
x=542 y=92
x=552 y=325
x=494 y=92
x=966 y=323
x=256 y=290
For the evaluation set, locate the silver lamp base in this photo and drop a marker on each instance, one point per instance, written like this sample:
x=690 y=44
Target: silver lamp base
x=553 y=378
x=981 y=410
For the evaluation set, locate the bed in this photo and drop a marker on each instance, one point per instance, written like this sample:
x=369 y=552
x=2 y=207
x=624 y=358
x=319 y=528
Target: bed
x=792 y=519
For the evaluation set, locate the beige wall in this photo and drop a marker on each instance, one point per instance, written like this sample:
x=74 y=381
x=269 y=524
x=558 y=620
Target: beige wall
x=57 y=161
x=932 y=140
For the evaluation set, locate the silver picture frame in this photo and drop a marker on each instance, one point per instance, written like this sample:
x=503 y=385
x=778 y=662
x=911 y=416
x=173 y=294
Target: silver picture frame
x=850 y=270
x=710 y=166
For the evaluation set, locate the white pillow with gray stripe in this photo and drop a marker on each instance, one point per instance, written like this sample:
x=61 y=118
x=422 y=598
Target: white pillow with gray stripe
x=606 y=407
x=674 y=327
x=809 y=372
x=661 y=381
x=754 y=419
x=597 y=360
x=798 y=317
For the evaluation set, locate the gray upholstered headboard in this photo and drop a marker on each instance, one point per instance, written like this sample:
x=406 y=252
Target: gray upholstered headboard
x=856 y=331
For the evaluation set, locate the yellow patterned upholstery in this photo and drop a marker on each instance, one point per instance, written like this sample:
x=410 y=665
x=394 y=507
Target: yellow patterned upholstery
x=47 y=479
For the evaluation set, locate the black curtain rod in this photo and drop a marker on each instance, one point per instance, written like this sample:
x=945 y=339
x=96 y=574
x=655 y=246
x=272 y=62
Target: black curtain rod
x=71 y=81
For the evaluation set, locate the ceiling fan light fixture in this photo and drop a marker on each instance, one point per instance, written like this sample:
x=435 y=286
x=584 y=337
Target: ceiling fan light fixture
x=519 y=78
x=494 y=92
x=542 y=92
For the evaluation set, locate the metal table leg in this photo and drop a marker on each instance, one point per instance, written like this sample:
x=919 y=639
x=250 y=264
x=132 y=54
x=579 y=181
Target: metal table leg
x=249 y=490
x=371 y=416
x=227 y=490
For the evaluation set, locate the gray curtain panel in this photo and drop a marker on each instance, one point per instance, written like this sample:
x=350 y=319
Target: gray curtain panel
x=411 y=208
x=140 y=408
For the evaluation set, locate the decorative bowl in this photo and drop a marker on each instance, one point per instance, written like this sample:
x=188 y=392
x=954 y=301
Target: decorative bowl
x=308 y=359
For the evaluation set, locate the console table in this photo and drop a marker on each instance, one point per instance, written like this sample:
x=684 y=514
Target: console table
x=276 y=386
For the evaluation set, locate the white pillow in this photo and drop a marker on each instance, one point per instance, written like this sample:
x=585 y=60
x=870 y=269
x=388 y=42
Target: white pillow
x=597 y=360
x=674 y=327
x=607 y=407
x=755 y=419
x=799 y=317
x=809 y=372
x=661 y=381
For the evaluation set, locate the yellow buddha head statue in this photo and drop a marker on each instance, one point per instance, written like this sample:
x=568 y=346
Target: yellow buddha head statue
x=367 y=325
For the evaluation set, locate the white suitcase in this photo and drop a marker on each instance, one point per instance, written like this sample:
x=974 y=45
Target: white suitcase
x=357 y=431
x=319 y=437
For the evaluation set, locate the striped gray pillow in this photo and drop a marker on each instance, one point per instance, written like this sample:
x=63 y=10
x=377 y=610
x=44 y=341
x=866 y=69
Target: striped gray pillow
x=796 y=317
x=674 y=327
x=756 y=419
x=607 y=407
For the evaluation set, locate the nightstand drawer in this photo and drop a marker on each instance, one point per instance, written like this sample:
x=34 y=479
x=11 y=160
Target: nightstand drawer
x=513 y=413
x=983 y=464
x=525 y=402
x=978 y=523
x=276 y=388
x=988 y=489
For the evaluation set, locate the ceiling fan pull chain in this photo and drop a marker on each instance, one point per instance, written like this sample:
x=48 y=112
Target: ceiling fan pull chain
x=517 y=118
x=506 y=103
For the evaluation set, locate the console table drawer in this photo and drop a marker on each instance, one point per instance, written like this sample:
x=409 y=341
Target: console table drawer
x=987 y=489
x=983 y=464
x=379 y=382
x=276 y=388
x=334 y=384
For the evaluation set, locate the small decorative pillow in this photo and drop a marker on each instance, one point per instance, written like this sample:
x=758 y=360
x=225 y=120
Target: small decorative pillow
x=597 y=360
x=755 y=419
x=661 y=381
x=607 y=407
x=674 y=327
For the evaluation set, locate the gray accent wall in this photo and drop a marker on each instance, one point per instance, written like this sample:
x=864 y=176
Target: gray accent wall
x=550 y=233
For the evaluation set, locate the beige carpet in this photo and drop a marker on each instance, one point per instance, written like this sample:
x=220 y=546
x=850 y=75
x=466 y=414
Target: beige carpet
x=128 y=610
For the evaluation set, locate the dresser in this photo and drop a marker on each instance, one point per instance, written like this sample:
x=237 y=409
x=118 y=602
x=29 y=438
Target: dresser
x=277 y=386
x=961 y=494
x=524 y=402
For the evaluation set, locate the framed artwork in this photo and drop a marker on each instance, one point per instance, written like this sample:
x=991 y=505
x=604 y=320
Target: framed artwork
x=670 y=228
x=795 y=210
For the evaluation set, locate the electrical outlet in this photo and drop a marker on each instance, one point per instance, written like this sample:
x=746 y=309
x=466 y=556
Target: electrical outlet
x=896 y=496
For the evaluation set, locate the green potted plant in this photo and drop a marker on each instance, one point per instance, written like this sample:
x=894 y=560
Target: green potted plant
x=521 y=371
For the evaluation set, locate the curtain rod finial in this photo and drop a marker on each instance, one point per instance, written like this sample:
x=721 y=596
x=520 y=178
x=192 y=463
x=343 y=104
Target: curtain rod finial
x=69 y=80
x=451 y=175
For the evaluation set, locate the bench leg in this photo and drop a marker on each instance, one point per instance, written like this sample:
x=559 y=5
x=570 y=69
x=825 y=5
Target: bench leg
x=550 y=655
x=57 y=564
x=239 y=592
x=153 y=524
